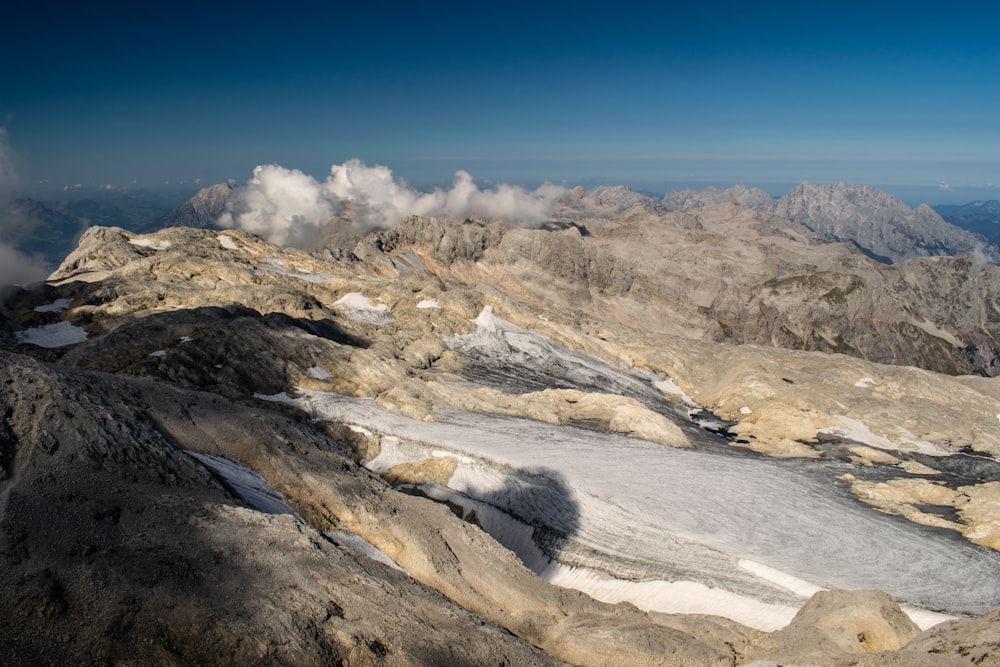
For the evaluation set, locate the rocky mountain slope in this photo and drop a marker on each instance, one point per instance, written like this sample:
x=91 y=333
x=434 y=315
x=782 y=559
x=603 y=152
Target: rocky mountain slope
x=202 y=210
x=876 y=222
x=687 y=199
x=214 y=448
x=729 y=274
x=980 y=217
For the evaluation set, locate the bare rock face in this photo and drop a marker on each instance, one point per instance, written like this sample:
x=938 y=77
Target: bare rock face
x=878 y=222
x=202 y=210
x=120 y=547
x=607 y=201
x=730 y=274
x=845 y=628
x=688 y=199
x=975 y=640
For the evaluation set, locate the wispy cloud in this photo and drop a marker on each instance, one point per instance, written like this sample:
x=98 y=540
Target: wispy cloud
x=289 y=207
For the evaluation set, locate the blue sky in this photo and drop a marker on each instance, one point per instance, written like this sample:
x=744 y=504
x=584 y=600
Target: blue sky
x=900 y=95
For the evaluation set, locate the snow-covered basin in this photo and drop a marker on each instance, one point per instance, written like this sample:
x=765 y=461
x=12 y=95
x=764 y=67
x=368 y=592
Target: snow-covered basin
x=677 y=530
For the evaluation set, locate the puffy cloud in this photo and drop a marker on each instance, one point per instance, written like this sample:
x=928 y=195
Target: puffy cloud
x=289 y=207
x=285 y=206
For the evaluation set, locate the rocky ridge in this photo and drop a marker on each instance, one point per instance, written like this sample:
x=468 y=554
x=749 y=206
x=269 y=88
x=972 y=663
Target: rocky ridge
x=202 y=210
x=688 y=199
x=161 y=371
x=876 y=222
x=879 y=222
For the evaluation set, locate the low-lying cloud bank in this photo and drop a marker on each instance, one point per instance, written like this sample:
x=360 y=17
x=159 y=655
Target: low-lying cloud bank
x=16 y=268
x=289 y=207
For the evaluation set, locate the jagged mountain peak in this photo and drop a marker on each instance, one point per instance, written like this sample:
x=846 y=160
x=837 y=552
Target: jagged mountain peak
x=687 y=199
x=878 y=222
x=603 y=201
x=202 y=210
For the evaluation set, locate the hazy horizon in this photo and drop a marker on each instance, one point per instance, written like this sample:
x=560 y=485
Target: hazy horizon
x=655 y=97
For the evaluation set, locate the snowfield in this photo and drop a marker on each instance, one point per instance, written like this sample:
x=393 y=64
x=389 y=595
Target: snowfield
x=60 y=334
x=713 y=529
x=671 y=529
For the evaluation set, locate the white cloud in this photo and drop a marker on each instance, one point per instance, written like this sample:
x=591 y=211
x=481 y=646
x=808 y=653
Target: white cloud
x=16 y=268
x=287 y=206
x=944 y=186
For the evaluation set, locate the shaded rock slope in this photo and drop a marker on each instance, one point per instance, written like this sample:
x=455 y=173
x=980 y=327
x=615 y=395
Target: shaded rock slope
x=122 y=546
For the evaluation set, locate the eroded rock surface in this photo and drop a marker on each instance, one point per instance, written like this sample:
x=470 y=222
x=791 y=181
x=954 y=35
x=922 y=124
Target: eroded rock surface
x=189 y=330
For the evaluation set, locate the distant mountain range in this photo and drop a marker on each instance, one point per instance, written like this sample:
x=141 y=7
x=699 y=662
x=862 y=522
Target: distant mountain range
x=878 y=223
x=981 y=217
x=50 y=229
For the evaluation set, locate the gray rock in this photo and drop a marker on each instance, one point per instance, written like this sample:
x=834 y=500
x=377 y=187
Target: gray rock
x=878 y=222
x=688 y=199
x=202 y=210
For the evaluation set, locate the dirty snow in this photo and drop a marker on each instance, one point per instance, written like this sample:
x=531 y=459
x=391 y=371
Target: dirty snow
x=60 y=334
x=246 y=483
x=57 y=306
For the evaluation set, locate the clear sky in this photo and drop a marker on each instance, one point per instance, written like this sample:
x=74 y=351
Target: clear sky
x=654 y=95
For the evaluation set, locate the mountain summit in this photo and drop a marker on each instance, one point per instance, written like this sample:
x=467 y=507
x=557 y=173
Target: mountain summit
x=878 y=222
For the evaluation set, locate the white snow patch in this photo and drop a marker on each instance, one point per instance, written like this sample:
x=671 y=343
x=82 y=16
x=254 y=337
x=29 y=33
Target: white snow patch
x=186 y=339
x=318 y=373
x=865 y=382
x=158 y=353
x=360 y=308
x=924 y=618
x=150 y=243
x=674 y=597
x=280 y=397
x=670 y=388
x=429 y=303
x=360 y=545
x=227 y=242
x=275 y=265
x=783 y=579
x=857 y=430
x=60 y=334
x=358 y=301
x=57 y=306
x=248 y=484
x=745 y=410
x=443 y=454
